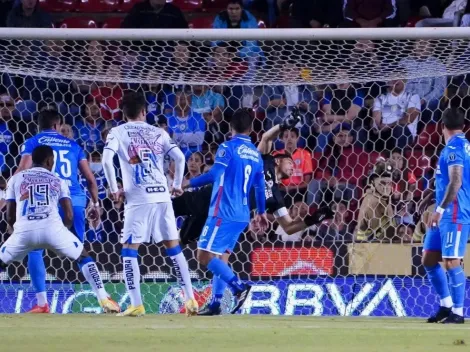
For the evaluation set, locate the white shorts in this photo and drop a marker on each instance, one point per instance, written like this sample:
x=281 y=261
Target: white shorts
x=145 y=222
x=58 y=239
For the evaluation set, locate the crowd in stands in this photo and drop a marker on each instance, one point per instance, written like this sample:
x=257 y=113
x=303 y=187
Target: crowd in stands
x=346 y=129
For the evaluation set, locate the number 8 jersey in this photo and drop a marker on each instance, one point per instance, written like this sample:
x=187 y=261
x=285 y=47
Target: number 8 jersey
x=67 y=156
x=36 y=192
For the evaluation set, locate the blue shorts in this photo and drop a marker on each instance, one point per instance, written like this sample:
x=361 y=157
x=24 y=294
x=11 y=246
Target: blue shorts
x=450 y=239
x=78 y=228
x=219 y=236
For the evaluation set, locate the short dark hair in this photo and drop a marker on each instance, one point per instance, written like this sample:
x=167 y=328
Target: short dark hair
x=242 y=120
x=239 y=2
x=48 y=117
x=132 y=104
x=292 y=129
x=41 y=153
x=453 y=119
x=283 y=155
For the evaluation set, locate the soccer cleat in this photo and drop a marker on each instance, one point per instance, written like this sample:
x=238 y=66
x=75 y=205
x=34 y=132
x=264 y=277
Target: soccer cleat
x=454 y=319
x=441 y=314
x=241 y=298
x=192 y=307
x=40 y=310
x=209 y=311
x=132 y=311
x=109 y=306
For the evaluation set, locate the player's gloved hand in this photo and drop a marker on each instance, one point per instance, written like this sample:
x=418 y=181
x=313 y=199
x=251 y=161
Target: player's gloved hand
x=322 y=214
x=291 y=121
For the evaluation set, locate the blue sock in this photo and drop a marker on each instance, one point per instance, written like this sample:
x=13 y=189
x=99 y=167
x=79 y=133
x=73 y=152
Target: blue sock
x=438 y=279
x=457 y=286
x=223 y=271
x=37 y=270
x=218 y=289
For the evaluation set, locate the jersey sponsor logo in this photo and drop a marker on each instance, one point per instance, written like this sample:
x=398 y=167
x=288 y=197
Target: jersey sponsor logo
x=157 y=189
x=48 y=140
x=245 y=152
x=38 y=217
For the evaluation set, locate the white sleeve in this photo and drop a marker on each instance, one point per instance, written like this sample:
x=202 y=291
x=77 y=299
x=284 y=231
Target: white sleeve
x=415 y=102
x=64 y=190
x=378 y=103
x=108 y=168
x=168 y=143
x=177 y=155
x=112 y=142
x=10 y=191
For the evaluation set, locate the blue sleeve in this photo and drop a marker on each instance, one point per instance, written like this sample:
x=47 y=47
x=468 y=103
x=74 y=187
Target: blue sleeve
x=209 y=177
x=218 y=23
x=218 y=101
x=223 y=155
x=252 y=22
x=259 y=185
x=80 y=153
x=455 y=157
x=327 y=98
x=359 y=100
x=28 y=147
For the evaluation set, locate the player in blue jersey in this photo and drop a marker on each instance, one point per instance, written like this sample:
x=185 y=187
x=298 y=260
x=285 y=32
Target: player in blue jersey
x=238 y=166
x=69 y=159
x=449 y=226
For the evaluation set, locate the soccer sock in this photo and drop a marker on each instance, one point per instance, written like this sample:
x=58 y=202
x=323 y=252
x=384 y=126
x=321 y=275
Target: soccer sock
x=132 y=275
x=92 y=275
x=457 y=288
x=181 y=269
x=223 y=271
x=37 y=271
x=438 y=279
x=218 y=289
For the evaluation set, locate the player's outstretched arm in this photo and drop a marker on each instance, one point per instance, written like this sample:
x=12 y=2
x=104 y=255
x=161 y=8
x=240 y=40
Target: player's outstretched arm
x=290 y=226
x=67 y=209
x=92 y=187
x=266 y=144
x=178 y=157
x=222 y=159
x=109 y=171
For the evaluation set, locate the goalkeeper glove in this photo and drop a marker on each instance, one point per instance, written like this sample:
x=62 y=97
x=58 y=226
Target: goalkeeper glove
x=319 y=216
x=291 y=121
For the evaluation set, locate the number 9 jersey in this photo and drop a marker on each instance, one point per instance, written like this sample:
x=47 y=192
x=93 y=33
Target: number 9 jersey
x=67 y=156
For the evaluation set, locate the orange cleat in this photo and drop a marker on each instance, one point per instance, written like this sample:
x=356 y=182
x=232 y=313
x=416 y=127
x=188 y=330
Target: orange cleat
x=38 y=310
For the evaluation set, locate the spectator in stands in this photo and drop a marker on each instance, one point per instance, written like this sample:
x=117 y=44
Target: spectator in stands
x=450 y=18
x=376 y=216
x=340 y=105
x=27 y=13
x=404 y=179
x=405 y=233
x=235 y=17
x=155 y=14
x=181 y=61
x=186 y=126
x=158 y=98
x=7 y=160
x=396 y=116
x=5 y=8
x=370 y=13
x=109 y=96
x=195 y=165
x=343 y=165
x=67 y=131
x=210 y=105
x=88 y=132
x=316 y=13
x=96 y=167
x=338 y=229
x=429 y=89
x=303 y=168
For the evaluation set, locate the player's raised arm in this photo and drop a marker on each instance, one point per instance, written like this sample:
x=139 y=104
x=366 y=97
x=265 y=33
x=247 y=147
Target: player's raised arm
x=177 y=155
x=66 y=204
x=222 y=159
x=26 y=161
x=11 y=202
x=110 y=149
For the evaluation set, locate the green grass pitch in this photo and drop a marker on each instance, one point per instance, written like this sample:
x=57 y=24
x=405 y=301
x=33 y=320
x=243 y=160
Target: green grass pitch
x=172 y=333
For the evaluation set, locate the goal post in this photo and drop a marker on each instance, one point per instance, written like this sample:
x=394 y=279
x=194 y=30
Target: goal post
x=347 y=83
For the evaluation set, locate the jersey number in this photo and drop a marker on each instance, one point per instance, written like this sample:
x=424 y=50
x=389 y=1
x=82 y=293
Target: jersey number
x=38 y=196
x=245 y=184
x=144 y=169
x=61 y=161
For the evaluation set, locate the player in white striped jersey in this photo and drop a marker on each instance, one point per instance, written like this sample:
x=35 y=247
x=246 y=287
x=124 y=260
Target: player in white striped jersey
x=148 y=212
x=33 y=198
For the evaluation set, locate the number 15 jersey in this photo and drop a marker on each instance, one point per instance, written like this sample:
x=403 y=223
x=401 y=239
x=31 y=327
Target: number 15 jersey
x=36 y=192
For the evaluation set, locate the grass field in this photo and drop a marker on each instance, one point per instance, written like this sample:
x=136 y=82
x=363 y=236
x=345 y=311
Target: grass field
x=174 y=333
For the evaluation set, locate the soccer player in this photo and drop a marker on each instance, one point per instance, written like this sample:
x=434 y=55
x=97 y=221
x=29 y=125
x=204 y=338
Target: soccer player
x=449 y=225
x=69 y=158
x=33 y=197
x=148 y=212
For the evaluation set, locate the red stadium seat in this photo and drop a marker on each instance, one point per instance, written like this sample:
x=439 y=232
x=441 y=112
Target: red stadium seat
x=214 y=5
x=187 y=5
x=127 y=5
x=430 y=137
x=202 y=22
x=78 y=22
x=58 y=5
x=93 y=6
x=113 y=22
x=412 y=21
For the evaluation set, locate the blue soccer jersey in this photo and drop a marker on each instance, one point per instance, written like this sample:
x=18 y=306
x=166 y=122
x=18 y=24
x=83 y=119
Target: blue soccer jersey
x=67 y=155
x=456 y=152
x=230 y=194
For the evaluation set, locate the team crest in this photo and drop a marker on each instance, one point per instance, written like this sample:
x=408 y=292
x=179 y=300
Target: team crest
x=221 y=153
x=452 y=156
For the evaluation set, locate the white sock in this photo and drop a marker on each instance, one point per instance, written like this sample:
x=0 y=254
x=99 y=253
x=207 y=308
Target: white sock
x=41 y=298
x=92 y=275
x=458 y=311
x=132 y=279
x=182 y=274
x=447 y=302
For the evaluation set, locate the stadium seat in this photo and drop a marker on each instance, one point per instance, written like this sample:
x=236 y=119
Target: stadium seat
x=113 y=22
x=93 y=6
x=187 y=5
x=58 y=5
x=214 y=5
x=430 y=137
x=202 y=22
x=78 y=22
x=412 y=21
x=127 y=5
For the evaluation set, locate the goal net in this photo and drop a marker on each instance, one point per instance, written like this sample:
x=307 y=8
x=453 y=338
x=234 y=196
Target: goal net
x=369 y=100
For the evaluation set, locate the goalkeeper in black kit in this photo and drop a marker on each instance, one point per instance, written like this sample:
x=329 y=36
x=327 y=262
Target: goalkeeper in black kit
x=195 y=205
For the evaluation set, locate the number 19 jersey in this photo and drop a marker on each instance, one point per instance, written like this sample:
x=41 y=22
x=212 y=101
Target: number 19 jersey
x=67 y=156
x=141 y=149
x=36 y=192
